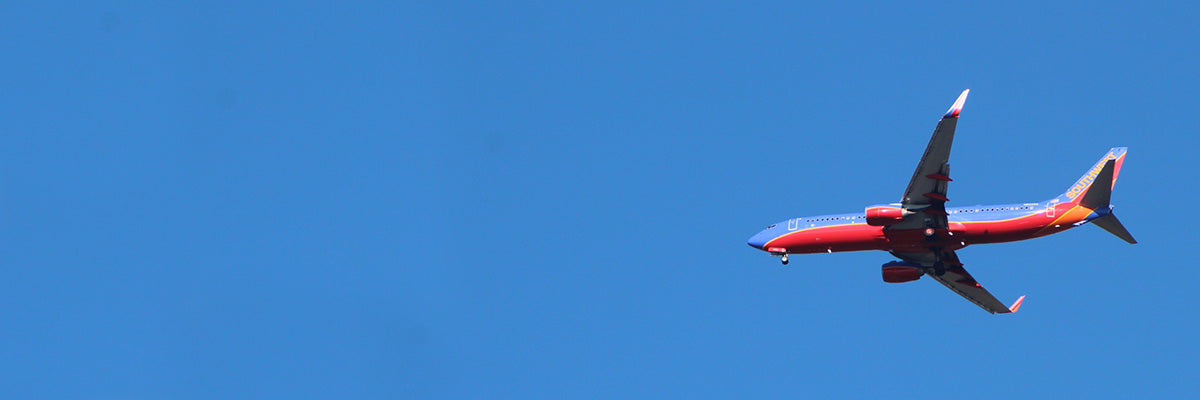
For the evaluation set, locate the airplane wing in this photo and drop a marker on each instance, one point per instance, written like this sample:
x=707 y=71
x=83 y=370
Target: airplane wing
x=960 y=281
x=927 y=189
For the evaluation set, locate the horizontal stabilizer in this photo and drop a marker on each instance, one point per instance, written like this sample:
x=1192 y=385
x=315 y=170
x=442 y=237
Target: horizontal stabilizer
x=1113 y=225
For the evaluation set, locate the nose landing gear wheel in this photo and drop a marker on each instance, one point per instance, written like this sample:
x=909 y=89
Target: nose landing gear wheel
x=784 y=259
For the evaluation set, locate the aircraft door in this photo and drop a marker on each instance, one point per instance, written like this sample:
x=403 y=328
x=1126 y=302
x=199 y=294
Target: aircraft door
x=1050 y=209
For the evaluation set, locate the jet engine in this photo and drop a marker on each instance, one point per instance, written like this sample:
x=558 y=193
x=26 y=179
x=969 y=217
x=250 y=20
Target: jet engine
x=885 y=214
x=900 y=272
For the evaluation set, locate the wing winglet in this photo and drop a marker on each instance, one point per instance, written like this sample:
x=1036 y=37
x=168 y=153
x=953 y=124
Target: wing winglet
x=958 y=105
x=1016 y=305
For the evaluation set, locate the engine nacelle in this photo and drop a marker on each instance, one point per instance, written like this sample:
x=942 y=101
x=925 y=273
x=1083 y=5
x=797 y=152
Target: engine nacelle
x=885 y=214
x=900 y=272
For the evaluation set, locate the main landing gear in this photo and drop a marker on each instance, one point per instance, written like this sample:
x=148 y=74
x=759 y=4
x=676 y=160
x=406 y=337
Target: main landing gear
x=939 y=267
x=783 y=259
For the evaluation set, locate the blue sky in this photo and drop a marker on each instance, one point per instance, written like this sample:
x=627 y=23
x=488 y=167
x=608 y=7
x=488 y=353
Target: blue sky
x=551 y=200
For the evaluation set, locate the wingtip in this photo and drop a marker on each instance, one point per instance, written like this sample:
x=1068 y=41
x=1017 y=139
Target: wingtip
x=1016 y=305
x=958 y=105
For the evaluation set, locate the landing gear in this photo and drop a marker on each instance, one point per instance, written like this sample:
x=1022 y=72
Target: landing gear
x=939 y=268
x=784 y=259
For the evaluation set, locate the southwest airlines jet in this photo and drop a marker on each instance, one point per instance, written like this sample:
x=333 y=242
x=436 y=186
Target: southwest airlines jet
x=924 y=234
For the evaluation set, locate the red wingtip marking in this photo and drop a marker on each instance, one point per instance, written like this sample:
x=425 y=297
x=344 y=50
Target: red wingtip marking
x=958 y=105
x=1017 y=305
x=939 y=177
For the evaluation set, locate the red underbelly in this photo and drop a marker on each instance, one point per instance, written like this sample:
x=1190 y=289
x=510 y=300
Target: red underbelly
x=1001 y=231
x=853 y=237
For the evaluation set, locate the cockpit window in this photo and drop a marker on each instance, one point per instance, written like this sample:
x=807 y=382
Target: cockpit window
x=772 y=226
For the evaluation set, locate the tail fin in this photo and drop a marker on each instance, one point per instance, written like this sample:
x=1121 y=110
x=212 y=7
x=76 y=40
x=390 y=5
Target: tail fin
x=1099 y=194
x=1089 y=178
x=1094 y=191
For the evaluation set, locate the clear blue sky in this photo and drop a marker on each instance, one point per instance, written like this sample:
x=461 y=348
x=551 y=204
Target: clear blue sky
x=544 y=200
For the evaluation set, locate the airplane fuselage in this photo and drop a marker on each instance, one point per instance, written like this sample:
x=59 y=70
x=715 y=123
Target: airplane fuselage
x=967 y=225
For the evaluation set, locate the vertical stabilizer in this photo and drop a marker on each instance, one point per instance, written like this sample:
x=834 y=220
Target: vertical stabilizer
x=1085 y=182
x=1099 y=193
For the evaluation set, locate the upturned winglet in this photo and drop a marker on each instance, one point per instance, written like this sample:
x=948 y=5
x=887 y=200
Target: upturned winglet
x=1016 y=305
x=958 y=105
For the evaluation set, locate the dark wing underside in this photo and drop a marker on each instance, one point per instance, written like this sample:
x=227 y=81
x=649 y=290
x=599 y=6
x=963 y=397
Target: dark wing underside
x=926 y=198
x=958 y=280
x=926 y=192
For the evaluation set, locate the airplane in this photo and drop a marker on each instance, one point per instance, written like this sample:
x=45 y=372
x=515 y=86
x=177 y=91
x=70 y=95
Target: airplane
x=925 y=234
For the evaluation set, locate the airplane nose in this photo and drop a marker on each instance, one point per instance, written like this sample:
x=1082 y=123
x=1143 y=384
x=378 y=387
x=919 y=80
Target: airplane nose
x=758 y=241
